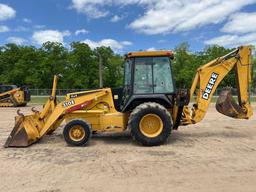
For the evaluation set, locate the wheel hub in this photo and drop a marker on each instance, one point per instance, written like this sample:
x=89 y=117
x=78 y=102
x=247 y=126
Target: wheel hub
x=151 y=125
x=77 y=133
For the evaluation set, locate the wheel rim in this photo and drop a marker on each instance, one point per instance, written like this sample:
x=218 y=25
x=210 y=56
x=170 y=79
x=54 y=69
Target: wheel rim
x=151 y=125
x=77 y=133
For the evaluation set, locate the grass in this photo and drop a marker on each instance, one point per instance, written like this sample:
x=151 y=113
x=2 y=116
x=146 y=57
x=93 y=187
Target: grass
x=40 y=100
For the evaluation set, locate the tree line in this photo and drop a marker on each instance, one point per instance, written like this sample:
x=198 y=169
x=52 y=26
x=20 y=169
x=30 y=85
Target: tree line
x=79 y=65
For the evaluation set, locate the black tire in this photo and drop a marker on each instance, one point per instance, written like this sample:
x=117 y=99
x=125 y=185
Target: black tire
x=94 y=132
x=50 y=132
x=83 y=126
x=23 y=105
x=150 y=108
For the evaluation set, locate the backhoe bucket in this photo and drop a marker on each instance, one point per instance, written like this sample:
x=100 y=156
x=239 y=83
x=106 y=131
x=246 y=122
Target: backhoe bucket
x=24 y=133
x=226 y=104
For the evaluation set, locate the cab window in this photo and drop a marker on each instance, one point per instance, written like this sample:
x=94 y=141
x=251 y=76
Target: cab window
x=127 y=72
x=143 y=75
x=162 y=75
x=152 y=75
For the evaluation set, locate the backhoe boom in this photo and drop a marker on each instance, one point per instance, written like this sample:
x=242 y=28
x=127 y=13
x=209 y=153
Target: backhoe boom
x=207 y=79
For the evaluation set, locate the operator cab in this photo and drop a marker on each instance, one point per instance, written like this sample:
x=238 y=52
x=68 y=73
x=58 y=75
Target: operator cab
x=148 y=76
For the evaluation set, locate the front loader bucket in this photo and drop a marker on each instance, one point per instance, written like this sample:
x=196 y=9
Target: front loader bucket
x=24 y=133
x=226 y=104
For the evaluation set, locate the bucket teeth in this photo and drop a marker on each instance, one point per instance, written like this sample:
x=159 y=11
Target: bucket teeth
x=226 y=104
x=19 y=113
x=34 y=110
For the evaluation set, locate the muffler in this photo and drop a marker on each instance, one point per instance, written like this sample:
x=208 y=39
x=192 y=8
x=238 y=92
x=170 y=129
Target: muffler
x=227 y=105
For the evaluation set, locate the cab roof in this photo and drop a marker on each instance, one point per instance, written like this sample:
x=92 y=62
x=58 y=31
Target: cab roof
x=150 y=54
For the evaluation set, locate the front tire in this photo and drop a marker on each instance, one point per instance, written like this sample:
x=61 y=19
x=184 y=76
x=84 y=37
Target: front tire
x=150 y=124
x=77 y=133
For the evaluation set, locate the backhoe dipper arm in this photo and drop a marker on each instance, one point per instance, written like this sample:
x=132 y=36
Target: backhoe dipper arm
x=51 y=102
x=209 y=76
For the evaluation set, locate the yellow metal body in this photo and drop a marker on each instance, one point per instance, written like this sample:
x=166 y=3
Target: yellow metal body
x=13 y=98
x=96 y=107
x=100 y=113
x=150 y=53
x=209 y=76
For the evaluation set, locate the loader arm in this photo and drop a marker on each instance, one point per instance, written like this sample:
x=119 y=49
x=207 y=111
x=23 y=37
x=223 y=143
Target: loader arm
x=30 y=128
x=69 y=106
x=207 y=79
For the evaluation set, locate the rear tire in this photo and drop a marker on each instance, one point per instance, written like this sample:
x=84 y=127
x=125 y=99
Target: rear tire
x=150 y=124
x=77 y=133
x=23 y=105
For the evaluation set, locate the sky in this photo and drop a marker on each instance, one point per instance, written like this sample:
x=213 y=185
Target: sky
x=129 y=25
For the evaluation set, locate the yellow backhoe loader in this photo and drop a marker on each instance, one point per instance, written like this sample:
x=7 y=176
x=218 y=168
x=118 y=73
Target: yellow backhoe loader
x=149 y=104
x=12 y=96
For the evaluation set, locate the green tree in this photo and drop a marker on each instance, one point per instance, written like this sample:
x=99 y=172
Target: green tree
x=82 y=69
x=187 y=62
x=27 y=68
x=184 y=66
x=79 y=65
x=113 y=73
x=10 y=55
x=112 y=66
x=54 y=60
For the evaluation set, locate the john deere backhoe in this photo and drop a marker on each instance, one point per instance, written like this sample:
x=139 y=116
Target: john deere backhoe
x=149 y=104
x=12 y=96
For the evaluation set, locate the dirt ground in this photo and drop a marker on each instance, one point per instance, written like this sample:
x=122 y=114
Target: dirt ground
x=218 y=154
